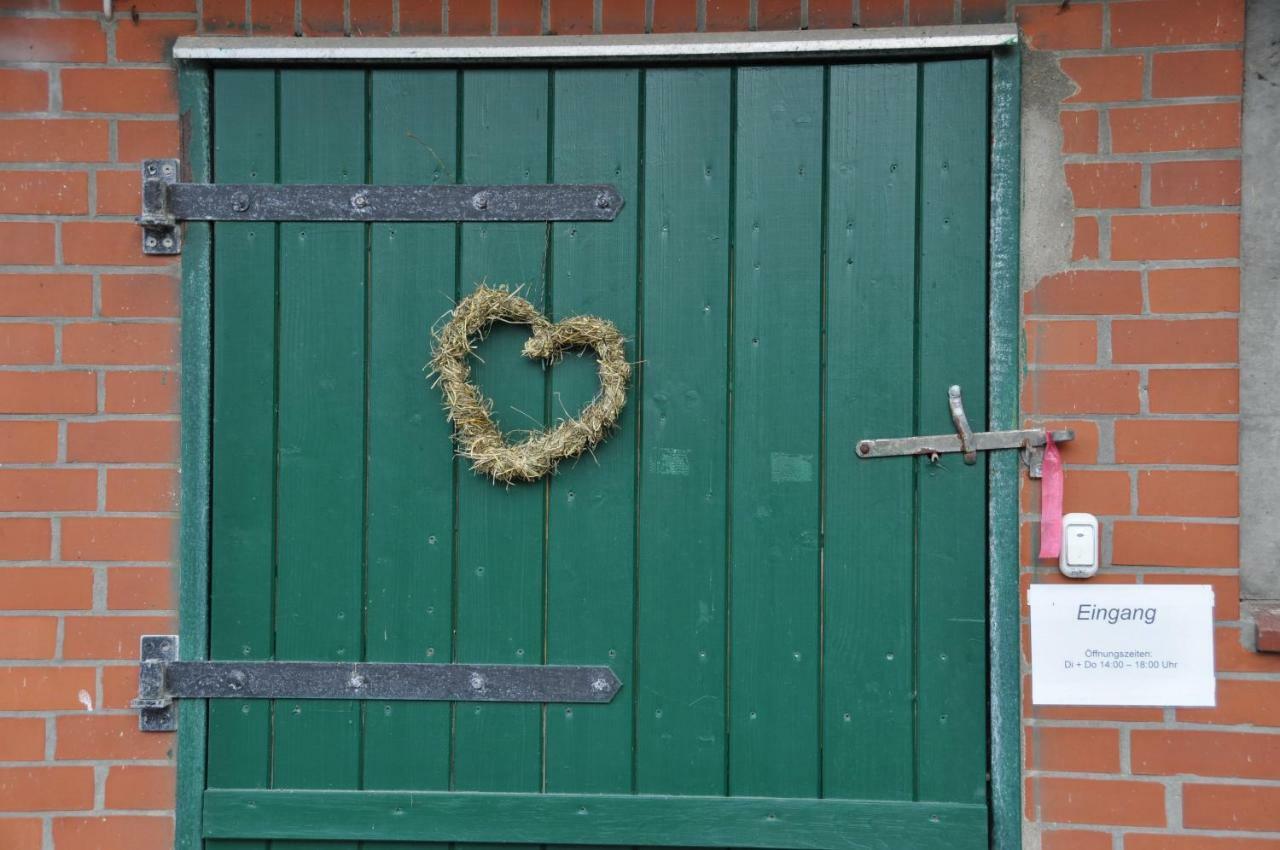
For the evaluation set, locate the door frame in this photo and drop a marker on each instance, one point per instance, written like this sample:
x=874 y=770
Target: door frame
x=196 y=56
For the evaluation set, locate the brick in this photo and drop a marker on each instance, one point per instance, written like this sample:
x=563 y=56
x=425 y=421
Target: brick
x=1072 y=27
x=1174 y=341
x=117 y=193
x=122 y=441
x=1233 y=807
x=1175 y=128
x=52 y=40
x=1202 y=73
x=1080 y=391
x=1212 y=290
x=133 y=90
x=149 y=40
x=1147 y=841
x=24 y=344
x=44 y=688
x=1104 y=492
x=120 y=344
x=26 y=243
x=46 y=588
x=23 y=90
x=931 y=13
x=1084 y=238
x=1093 y=801
x=117 y=539
x=45 y=789
x=1087 y=293
x=1193 y=390
x=469 y=19
x=34 y=295
x=881 y=13
x=274 y=17
x=1231 y=656
x=370 y=17
x=1226 y=590
x=1072 y=749
x=119 y=685
x=518 y=17
x=105 y=243
x=1159 y=22
x=44 y=192
x=140 y=296
x=48 y=489
x=139 y=140
x=1074 y=839
x=88 y=736
x=26 y=639
x=21 y=833
x=322 y=17
x=836 y=14
x=223 y=16
x=1209 y=442
x=143 y=490
x=1079 y=131
x=28 y=442
x=1212 y=182
x=1175 y=544
x=53 y=140
x=1105 y=184
x=140 y=589
x=1190 y=236
x=140 y=787
x=1060 y=342
x=574 y=17
x=1089 y=714
x=25 y=539
x=778 y=15
x=622 y=16
x=728 y=15
x=114 y=832
x=48 y=392
x=1102 y=79
x=21 y=739
x=1186 y=493
x=97 y=637
x=141 y=392
x=975 y=11
x=422 y=18
x=1167 y=752
x=1240 y=702
x=675 y=16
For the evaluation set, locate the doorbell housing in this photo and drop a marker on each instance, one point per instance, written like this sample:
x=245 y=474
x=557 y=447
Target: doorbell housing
x=1079 y=555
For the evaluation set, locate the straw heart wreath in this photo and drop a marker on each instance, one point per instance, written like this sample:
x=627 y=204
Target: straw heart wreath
x=475 y=433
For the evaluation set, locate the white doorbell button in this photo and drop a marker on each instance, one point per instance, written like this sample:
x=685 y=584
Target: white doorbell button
x=1079 y=555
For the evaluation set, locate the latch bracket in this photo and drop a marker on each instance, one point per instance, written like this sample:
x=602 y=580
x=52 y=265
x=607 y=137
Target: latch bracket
x=163 y=679
x=1029 y=441
x=166 y=202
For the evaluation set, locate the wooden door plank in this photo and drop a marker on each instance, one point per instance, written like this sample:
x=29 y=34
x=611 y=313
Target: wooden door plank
x=776 y=431
x=499 y=614
x=591 y=523
x=243 y=457
x=320 y=504
x=691 y=821
x=952 y=530
x=409 y=537
x=869 y=560
x=680 y=665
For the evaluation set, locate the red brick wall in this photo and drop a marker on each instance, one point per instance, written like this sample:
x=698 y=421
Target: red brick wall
x=1132 y=342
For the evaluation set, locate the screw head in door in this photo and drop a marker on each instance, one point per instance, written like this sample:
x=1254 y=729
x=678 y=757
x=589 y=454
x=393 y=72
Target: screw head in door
x=481 y=200
x=240 y=202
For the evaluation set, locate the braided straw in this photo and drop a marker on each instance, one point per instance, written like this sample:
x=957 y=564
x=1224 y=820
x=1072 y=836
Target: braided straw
x=475 y=433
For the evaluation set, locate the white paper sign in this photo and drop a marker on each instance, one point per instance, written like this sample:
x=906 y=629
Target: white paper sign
x=1094 y=644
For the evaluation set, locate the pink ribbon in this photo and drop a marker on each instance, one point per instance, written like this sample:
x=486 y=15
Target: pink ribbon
x=1051 y=502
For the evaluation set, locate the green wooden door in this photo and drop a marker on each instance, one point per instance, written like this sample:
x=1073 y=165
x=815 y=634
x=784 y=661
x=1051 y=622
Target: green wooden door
x=801 y=636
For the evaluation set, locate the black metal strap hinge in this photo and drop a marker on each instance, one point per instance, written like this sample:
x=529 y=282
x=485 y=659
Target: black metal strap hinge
x=166 y=202
x=162 y=679
x=1029 y=441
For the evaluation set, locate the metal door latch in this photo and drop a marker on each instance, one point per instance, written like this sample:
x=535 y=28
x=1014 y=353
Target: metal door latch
x=162 y=679
x=166 y=202
x=1029 y=441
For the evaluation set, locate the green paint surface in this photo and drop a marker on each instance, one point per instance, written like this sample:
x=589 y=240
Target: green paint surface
x=801 y=262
